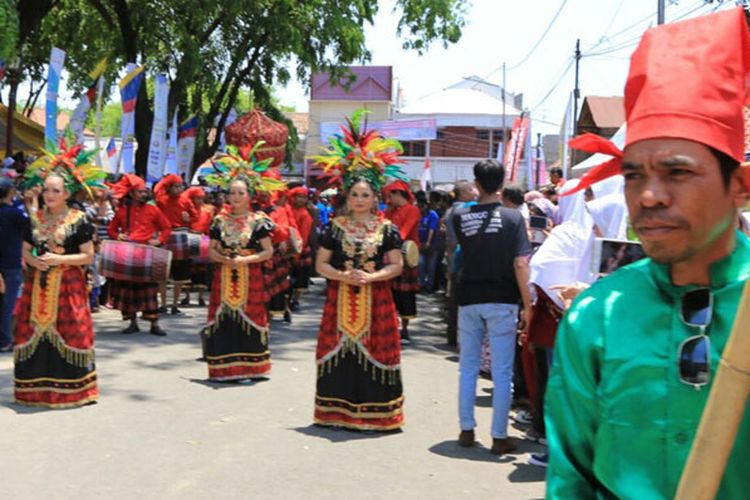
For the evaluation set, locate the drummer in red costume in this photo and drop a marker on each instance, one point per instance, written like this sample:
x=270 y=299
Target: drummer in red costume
x=196 y=196
x=302 y=267
x=405 y=215
x=139 y=222
x=181 y=214
x=277 y=268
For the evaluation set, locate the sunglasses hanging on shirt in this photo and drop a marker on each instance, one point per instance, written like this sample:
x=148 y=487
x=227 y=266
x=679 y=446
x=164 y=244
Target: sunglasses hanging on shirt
x=694 y=357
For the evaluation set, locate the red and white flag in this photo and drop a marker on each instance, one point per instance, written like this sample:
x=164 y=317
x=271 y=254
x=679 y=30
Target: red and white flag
x=426 y=180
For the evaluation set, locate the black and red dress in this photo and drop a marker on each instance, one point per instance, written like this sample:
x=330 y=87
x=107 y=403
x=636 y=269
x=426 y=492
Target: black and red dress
x=359 y=347
x=237 y=330
x=54 y=334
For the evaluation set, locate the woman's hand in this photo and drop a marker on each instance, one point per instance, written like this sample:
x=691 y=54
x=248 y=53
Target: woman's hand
x=38 y=264
x=51 y=259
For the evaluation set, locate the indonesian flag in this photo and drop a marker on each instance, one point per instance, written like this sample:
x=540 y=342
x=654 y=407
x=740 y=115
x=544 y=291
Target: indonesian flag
x=87 y=100
x=112 y=154
x=426 y=180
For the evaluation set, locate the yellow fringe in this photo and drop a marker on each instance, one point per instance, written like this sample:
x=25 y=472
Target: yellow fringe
x=77 y=357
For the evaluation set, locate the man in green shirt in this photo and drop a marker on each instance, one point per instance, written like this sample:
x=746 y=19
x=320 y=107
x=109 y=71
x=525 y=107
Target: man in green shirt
x=624 y=400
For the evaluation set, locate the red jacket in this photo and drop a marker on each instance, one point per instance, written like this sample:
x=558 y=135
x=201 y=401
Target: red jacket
x=407 y=219
x=173 y=209
x=143 y=222
x=304 y=223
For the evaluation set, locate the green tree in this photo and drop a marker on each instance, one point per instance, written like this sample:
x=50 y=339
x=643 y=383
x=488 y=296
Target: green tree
x=214 y=52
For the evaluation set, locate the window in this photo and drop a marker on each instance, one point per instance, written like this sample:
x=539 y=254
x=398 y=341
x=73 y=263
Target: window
x=483 y=135
x=497 y=136
x=413 y=148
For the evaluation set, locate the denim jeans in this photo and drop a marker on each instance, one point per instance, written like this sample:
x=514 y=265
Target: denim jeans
x=498 y=321
x=427 y=269
x=13 y=279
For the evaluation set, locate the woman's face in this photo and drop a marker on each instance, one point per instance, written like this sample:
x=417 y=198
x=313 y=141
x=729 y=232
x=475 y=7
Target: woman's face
x=361 y=198
x=238 y=196
x=54 y=192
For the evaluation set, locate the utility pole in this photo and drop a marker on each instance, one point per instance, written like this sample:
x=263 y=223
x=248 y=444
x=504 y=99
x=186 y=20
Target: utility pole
x=538 y=157
x=504 y=127
x=660 y=11
x=576 y=91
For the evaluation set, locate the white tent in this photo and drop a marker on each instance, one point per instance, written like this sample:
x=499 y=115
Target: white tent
x=597 y=159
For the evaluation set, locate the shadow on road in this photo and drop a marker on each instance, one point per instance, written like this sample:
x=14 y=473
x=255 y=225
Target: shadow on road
x=226 y=385
x=340 y=435
x=477 y=453
x=526 y=473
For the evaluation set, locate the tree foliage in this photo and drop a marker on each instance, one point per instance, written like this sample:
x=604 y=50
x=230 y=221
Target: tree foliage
x=218 y=53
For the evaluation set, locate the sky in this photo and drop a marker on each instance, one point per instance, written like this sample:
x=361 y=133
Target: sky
x=500 y=31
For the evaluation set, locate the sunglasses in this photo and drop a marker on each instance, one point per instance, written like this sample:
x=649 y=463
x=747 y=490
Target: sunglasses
x=694 y=359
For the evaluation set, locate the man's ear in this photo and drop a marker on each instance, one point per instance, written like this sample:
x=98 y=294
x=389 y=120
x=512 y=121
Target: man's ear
x=741 y=181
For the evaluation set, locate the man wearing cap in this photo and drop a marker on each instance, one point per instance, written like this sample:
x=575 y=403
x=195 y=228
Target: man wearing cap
x=13 y=223
x=406 y=216
x=139 y=222
x=181 y=214
x=302 y=267
x=637 y=352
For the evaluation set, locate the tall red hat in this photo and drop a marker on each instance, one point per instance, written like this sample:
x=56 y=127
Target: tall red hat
x=126 y=184
x=688 y=80
x=399 y=185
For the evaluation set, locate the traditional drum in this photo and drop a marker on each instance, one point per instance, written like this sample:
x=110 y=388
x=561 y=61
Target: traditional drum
x=203 y=258
x=184 y=245
x=123 y=260
x=411 y=254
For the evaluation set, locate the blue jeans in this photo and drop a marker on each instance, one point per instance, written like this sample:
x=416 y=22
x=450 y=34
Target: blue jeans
x=13 y=279
x=474 y=322
x=427 y=269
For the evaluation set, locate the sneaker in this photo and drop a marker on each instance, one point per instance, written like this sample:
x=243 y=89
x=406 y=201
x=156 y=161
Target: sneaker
x=185 y=301
x=173 y=311
x=162 y=310
x=287 y=317
x=539 y=459
x=131 y=329
x=405 y=339
x=522 y=417
x=466 y=439
x=501 y=446
x=294 y=305
x=201 y=302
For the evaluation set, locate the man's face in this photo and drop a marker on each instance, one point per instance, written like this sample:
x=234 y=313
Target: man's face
x=676 y=198
x=176 y=188
x=299 y=200
x=554 y=177
x=140 y=195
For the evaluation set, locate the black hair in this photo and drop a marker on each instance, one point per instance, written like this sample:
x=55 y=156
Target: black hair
x=436 y=197
x=727 y=166
x=556 y=171
x=513 y=194
x=5 y=188
x=490 y=175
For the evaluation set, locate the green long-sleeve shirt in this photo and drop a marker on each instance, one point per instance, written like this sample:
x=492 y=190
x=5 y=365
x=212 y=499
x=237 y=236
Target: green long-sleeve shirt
x=619 y=421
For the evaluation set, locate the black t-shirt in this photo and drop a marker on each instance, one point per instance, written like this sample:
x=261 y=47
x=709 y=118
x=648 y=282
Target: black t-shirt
x=491 y=237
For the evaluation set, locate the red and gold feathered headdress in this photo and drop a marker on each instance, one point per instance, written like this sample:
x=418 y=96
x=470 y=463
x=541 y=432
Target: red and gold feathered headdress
x=72 y=164
x=359 y=153
x=241 y=164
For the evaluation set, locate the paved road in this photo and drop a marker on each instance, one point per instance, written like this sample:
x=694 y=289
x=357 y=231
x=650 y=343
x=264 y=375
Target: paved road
x=161 y=431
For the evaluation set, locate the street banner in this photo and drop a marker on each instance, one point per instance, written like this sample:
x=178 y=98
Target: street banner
x=112 y=155
x=170 y=166
x=515 y=146
x=87 y=100
x=231 y=118
x=157 y=151
x=129 y=87
x=186 y=144
x=56 y=61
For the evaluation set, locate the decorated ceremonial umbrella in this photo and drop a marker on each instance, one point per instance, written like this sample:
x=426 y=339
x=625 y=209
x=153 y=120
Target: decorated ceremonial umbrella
x=254 y=127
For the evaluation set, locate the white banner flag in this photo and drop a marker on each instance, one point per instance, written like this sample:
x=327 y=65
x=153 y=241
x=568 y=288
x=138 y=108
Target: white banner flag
x=56 y=61
x=170 y=166
x=157 y=152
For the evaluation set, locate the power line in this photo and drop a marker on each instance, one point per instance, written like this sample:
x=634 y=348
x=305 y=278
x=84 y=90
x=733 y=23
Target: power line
x=541 y=39
x=555 y=85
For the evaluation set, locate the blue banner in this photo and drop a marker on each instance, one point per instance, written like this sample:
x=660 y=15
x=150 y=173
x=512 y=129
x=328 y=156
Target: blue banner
x=56 y=61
